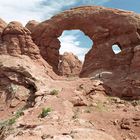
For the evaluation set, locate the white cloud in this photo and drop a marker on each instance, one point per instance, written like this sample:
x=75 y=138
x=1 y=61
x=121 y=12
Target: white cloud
x=51 y=7
x=20 y=10
x=70 y=43
x=25 y=10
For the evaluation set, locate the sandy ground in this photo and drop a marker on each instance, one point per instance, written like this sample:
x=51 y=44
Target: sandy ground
x=74 y=107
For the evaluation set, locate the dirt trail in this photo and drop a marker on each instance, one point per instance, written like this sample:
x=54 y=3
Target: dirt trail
x=75 y=111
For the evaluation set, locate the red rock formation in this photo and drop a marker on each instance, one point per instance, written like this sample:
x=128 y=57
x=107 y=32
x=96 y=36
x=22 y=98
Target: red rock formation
x=69 y=65
x=105 y=26
x=26 y=78
x=22 y=79
x=16 y=40
x=31 y=25
x=2 y=25
x=135 y=63
x=22 y=68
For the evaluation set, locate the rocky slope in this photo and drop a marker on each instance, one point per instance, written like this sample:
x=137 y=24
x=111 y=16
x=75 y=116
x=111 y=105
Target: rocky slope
x=78 y=109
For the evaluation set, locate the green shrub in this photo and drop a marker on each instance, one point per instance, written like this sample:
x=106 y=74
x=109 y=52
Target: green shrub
x=8 y=122
x=45 y=112
x=19 y=113
x=13 y=119
x=54 y=92
x=101 y=107
x=88 y=111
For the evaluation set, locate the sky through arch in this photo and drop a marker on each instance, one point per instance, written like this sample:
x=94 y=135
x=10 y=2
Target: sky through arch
x=75 y=41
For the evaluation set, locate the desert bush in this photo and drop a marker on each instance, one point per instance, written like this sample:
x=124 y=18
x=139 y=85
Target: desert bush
x=54 y=92
x=45 y=112
x=13 y=119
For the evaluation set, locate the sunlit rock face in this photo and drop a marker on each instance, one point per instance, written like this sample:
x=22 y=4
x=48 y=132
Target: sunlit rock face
x=105 y=27
x=69 y=65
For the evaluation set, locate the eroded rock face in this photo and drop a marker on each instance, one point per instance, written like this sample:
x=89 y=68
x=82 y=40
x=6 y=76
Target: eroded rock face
x=16 y=40
x=22 y=79
x=135 y=64
x=69 y=65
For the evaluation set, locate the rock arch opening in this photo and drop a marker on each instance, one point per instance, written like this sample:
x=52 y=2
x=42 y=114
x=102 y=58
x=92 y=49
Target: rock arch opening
x=75 y=41
x=74 y=45
x=116 y=48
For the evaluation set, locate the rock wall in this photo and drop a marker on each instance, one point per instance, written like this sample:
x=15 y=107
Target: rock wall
x=2 y=26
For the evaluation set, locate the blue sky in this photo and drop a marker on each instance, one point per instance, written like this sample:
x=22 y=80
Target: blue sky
x=75 y=41
x=131 y=5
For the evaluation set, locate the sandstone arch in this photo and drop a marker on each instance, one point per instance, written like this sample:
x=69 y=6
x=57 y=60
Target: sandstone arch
x=105 y=26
